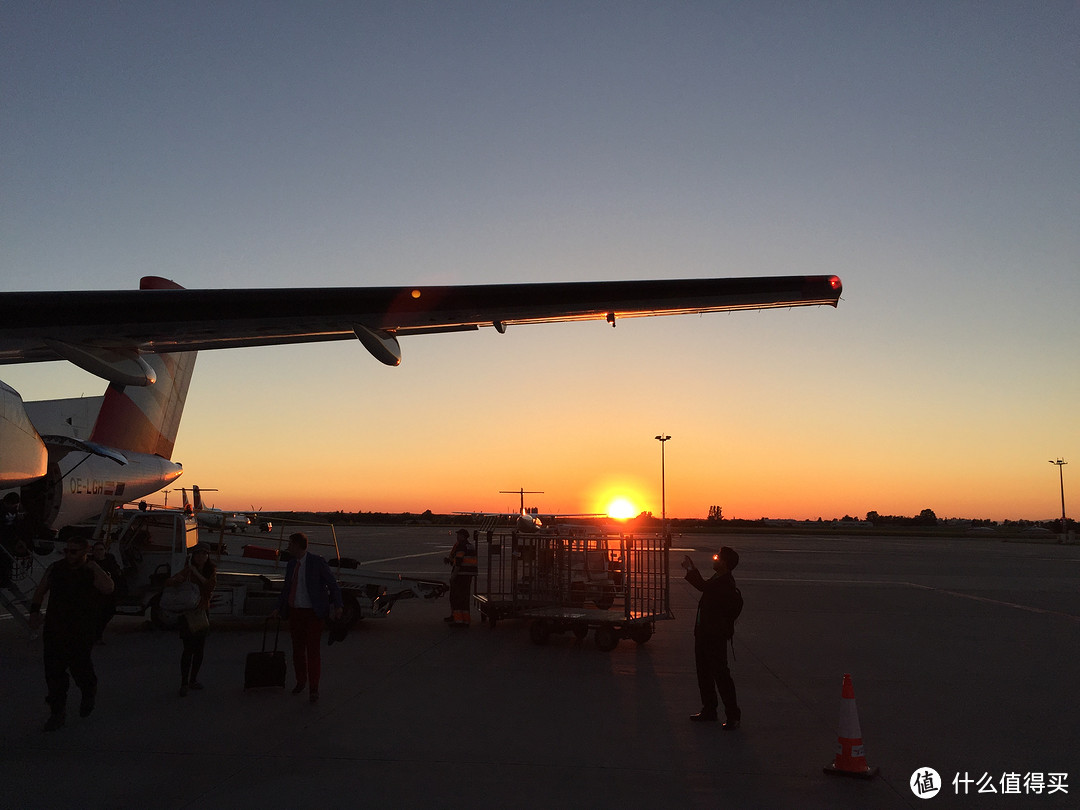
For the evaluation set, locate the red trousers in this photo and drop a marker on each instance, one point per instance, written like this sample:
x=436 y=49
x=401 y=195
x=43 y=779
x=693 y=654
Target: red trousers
x=306 y=631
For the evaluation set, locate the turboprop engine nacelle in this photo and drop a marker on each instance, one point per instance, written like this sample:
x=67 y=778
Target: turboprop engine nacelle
x=23 y=455
x=529 y=524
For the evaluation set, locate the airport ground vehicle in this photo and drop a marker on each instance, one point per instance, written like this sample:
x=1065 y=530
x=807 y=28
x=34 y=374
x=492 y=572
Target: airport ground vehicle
x=153 y=544
x=615 y=585
x=149 y=545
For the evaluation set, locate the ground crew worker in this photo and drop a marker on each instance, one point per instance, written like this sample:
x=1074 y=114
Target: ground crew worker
x=463 y=571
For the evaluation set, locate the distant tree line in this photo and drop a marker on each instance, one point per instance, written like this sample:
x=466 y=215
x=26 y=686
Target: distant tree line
x=647 y=520
x=925 y=518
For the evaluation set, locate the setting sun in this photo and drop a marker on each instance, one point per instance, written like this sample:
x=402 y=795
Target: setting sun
x=621 y=509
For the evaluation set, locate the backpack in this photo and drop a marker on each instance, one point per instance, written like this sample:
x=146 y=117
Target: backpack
x=736 y=605
x=734 y=609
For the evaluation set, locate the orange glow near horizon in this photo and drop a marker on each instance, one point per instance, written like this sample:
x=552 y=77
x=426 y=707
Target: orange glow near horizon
x=299 y=449
x=753 y=493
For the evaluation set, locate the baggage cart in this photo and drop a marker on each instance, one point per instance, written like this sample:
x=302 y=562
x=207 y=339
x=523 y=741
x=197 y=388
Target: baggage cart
x=614 y=584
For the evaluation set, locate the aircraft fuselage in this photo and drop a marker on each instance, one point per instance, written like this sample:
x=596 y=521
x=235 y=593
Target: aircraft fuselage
x=76 y=487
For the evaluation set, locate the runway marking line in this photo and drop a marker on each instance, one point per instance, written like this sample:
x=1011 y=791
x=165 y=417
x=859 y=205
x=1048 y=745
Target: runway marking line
x=403 y=557
x=971 y=596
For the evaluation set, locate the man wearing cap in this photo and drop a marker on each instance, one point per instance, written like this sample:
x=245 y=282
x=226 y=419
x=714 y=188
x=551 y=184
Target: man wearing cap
x=714 y=626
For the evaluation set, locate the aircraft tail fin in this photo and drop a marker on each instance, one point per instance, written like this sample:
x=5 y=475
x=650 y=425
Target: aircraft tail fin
x=147 y=419
x=196 y=495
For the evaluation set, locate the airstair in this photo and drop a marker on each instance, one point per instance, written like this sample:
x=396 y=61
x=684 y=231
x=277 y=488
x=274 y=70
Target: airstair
x=18 y=589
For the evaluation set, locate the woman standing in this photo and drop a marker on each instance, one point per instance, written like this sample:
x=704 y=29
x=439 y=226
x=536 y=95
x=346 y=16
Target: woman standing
x=194 y=625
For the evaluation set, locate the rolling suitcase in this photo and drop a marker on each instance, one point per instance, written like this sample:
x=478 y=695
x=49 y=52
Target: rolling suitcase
x=266 y=667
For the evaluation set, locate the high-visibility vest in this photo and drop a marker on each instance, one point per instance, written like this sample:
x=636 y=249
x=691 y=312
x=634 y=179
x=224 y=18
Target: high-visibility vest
x=465 y=561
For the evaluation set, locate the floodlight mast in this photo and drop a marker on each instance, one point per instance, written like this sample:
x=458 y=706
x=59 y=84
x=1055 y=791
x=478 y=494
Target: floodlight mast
x=1061 y=480
x=663 y=485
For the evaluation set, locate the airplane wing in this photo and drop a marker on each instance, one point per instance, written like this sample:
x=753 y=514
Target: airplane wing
x=105 y=331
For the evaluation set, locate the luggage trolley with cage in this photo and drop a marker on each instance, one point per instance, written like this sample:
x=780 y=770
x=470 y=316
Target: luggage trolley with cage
x=616 y=585
x=503 y=587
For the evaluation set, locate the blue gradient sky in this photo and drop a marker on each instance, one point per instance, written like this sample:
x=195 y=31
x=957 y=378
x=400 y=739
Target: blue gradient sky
x=928 y=153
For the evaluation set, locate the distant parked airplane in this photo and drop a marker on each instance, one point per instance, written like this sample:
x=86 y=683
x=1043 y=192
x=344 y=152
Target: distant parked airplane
x=529 y=521
x=211 y=518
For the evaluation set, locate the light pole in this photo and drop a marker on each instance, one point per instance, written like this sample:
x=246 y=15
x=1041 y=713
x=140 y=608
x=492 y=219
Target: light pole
x=1061 y=478
x=662 y=438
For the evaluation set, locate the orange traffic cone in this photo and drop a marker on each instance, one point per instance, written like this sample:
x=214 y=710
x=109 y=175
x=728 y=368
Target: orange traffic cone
x=850 y=753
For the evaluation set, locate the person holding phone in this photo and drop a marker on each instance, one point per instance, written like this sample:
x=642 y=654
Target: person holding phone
x=718 y=607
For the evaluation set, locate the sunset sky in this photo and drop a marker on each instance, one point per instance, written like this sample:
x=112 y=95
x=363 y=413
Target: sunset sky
x=927 y=153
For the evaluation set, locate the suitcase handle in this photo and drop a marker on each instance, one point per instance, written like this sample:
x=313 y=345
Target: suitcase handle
x=277 y=632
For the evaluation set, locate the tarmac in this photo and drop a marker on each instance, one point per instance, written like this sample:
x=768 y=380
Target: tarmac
x=962 y=654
